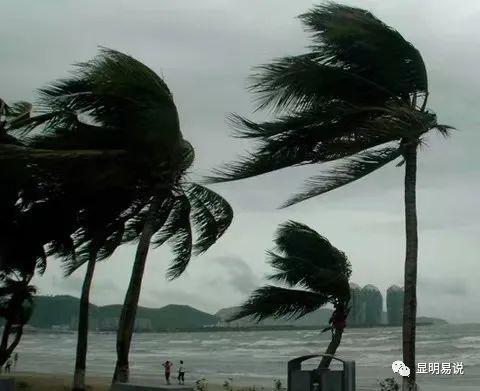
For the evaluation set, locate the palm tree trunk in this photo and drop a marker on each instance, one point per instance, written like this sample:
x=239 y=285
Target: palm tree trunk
x=410 y=283
x=130 y=305
x=15 y=342
x=331 y=348
x=82 y=339
x=4 y=344
x=5 y=349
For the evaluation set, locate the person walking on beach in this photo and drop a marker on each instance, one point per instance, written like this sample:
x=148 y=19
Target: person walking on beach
x=15 y=360
x=168 y=366
x=181 y=373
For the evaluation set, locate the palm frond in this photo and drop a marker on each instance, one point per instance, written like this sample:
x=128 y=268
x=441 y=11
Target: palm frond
x=177 y=231
x=254 y=164
x=16 y=152
x=347 y=171
x=304 y=257
x=444 y=130
x=17 y=114
x=355 y=40
x=323 y=134
x=211 y=215
x=272 y=301
x=115 y=91
x=112 y=242
x=303 y=81
x=142 y=213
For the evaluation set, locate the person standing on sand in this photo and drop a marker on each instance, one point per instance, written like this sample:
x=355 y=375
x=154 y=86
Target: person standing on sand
x=181 y=373
x=15 y=360
x=168 y=366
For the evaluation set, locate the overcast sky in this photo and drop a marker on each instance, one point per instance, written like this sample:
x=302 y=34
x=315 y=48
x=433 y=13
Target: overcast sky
x=205 y=50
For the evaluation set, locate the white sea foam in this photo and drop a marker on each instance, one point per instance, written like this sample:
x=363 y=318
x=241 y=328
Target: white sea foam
x=259 y=356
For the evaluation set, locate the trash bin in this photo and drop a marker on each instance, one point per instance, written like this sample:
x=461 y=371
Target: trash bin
x=7 y=384
x=320 y=379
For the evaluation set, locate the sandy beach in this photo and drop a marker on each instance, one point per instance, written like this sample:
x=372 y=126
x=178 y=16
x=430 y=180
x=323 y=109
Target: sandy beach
x=26 y=381
x=53 y=382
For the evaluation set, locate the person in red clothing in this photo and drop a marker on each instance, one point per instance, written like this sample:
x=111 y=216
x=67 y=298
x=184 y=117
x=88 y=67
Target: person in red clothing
x=168 y=367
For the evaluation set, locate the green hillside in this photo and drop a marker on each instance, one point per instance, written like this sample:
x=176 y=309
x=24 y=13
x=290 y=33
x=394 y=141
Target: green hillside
x=61 y=312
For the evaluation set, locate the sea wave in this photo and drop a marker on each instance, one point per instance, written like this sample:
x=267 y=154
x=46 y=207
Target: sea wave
x=181 y=341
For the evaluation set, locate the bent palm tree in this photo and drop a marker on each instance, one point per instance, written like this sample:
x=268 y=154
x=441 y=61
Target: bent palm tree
x=187 y=209
x=16 y=305
x=316 y=272
x=115 y=124
x=359 y=97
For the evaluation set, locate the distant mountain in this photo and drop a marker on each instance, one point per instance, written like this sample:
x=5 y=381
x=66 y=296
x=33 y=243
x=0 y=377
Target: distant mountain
x=316 y=318
x=61 y=312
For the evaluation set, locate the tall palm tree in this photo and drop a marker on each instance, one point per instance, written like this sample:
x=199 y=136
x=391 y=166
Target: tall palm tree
x=316 y=273
x=188 y=208
x=358 y=97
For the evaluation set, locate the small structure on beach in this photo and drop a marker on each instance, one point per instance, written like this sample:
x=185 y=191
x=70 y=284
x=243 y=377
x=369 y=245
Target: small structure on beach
x=320 y=379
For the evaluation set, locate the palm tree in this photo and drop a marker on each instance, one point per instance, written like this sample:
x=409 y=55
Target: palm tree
x=16 y=306
x=358 y=97
x=316 y=273
x=115 y=124
x=29 y=223
x=25 y=230
x=188 y=208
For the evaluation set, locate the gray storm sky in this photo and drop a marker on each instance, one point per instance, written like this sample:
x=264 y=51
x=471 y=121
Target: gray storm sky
x=205 y=50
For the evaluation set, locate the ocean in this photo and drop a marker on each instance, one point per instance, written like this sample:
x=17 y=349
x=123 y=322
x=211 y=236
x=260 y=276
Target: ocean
x=258 y=357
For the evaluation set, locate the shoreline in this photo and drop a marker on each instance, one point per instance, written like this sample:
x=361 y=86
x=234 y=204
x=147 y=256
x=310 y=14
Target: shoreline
x=60 y=382
x=231 y=329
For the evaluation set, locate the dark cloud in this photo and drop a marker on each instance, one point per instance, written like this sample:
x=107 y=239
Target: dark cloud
x=438 y=286
x=235 y=272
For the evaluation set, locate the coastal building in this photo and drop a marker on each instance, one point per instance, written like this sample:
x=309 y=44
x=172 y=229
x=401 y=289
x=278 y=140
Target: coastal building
x=109 y=324
x=143 y=324
x=395 y=305
x=373 y=302
x=356 y=316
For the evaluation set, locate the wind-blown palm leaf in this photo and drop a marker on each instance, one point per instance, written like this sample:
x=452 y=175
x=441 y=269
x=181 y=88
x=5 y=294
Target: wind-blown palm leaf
x=178 y=232
x=297 y=272
x=308 y=259
x=16 y=152
x=136 y=221
x=272 y=301
x=301 y=82
x=16 y=114
x=322 y=135
x=347 y=171
x=444 y=130
x=355 y=40
x=302 y=258
x=116 y=92
x=211 y=215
